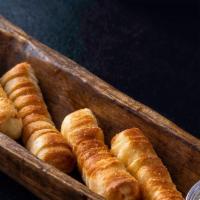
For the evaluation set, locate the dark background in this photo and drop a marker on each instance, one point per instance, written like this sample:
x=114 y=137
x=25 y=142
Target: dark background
x=150 y=51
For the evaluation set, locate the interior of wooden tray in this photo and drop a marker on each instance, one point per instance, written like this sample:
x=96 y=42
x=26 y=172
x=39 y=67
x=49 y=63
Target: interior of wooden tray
x=67 y=86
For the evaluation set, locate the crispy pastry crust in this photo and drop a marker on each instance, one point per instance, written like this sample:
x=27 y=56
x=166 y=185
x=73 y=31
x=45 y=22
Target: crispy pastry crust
x=10 y=122
x=137 y=153
x=101 y=171
x=40 y=135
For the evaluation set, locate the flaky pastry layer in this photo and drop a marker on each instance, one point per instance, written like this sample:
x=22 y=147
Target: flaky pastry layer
x=40 y=135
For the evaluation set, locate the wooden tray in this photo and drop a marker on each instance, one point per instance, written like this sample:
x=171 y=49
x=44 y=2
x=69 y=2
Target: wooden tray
x=66 y=87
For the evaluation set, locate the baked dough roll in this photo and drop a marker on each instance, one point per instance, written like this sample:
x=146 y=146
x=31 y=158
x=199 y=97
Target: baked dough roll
x=101 y=171
x=40 y=135
x=10 y=122
x=137 y=153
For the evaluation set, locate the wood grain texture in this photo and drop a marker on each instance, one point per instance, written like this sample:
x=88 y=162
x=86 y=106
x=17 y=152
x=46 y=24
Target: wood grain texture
x=67 y=87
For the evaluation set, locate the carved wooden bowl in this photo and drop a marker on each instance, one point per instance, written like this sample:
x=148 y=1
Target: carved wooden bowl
x=66 y=87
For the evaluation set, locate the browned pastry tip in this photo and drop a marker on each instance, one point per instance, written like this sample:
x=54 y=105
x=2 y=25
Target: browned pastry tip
x=101 y=171
x=20 y=70
x=83 y=118
x=137 y=153
x=83 y=122
x=19 y=82
x=120 y=188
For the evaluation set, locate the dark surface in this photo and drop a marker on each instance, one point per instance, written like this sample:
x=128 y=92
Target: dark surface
x=149 y=51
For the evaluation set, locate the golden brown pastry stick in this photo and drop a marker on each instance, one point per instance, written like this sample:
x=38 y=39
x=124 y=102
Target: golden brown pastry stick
x=101 y=171
x=40 y=135
x=10 y=122
x=136 y=152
